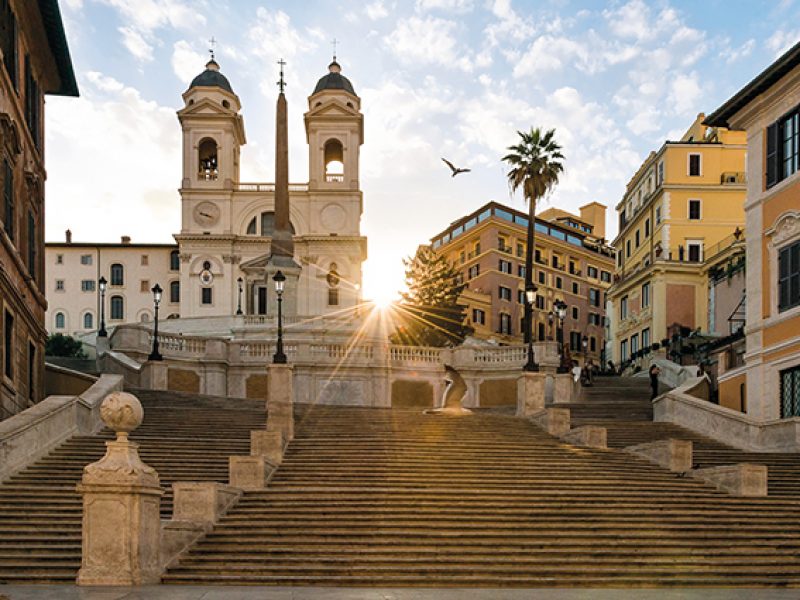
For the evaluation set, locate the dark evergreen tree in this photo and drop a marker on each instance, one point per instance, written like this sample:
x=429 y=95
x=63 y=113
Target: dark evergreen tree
x=64 y=345
x=430 y=313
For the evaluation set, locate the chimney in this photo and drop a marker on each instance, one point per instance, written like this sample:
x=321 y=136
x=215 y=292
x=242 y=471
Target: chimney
x=594 y=213
x=68 y=235
x=126 y=239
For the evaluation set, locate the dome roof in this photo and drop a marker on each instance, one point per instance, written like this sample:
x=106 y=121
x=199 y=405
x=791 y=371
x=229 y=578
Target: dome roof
x=334 y=80
x=211 y=77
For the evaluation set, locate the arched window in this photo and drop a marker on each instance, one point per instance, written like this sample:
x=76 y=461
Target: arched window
x=117 y=308
x=88 y=321
x=61 y=320
x=145 y=317
x=251 y=227
x=117 y=274
x=174 y=291
x=333 y=285
x=334 y=161
x=207 y=154
x=174 y=261
x=268 y=224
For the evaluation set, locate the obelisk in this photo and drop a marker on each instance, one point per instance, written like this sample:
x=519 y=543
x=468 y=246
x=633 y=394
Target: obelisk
x=281 y=256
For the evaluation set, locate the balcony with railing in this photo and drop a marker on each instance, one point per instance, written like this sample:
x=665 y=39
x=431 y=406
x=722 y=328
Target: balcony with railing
x=269 y=187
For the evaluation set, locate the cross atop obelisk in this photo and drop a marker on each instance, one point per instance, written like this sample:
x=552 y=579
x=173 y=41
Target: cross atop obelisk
x=281 y=82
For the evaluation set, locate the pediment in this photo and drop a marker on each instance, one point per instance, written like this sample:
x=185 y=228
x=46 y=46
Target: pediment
x=259 y=262
x=332 y=108
x=204 y=106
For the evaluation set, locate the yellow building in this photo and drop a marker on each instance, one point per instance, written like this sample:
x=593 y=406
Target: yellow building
x=685 y=198
x=572 y=263
x=766 y=111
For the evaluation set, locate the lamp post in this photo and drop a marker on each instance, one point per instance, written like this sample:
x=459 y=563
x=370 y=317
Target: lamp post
x=550 y=319
x=530 y=298
x=101 y=284
x=239 y=305
x=585 y=343
x=561 y=312
x=155 y=354
x=279 y=358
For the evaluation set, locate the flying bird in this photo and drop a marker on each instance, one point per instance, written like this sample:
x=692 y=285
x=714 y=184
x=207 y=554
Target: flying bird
x=455 y=169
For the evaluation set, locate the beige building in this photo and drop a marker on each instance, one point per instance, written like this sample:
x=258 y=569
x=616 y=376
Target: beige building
x=572 y=263
x=131 y=270
x=35 y=61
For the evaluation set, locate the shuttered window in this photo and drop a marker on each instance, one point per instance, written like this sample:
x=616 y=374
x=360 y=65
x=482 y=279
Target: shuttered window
x=789 y=277
x=8 y=199
x=783 y=148
x=790 y=393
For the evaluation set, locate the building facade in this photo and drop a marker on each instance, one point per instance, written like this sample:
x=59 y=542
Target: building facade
x=572 y=263
x=767 y=111
x=131 y=270
x=36 y=61
x=226 y=224
x=682 y=202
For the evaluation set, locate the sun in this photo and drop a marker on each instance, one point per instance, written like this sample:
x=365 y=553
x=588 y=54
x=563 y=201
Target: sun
x=382 y=284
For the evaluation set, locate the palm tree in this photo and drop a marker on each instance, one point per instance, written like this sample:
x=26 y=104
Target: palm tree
x=535 y=167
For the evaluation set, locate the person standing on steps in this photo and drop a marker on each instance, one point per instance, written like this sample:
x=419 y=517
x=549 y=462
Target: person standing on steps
x=654 y=372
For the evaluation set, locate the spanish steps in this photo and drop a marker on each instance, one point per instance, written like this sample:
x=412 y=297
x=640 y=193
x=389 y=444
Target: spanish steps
x=379 y=497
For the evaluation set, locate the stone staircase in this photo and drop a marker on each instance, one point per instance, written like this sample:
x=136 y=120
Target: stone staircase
x=370 y=497
x=184 y=437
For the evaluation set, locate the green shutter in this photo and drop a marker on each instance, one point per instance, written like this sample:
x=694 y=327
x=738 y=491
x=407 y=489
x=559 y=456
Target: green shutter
x=772 y=154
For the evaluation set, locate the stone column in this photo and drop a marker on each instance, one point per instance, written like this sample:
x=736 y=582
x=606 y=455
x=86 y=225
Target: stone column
x=530 y=393
x=121 y=506
x=280 y=403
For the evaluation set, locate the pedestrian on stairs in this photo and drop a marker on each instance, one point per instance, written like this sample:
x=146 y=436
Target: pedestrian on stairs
x=654 y=373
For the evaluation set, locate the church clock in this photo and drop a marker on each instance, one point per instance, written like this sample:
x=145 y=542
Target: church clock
x=206 y=214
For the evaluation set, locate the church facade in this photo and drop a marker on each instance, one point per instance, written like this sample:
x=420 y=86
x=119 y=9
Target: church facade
x=227 y=225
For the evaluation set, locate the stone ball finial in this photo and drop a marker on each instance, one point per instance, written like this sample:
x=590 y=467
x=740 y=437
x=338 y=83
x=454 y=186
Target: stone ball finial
x=121 y=412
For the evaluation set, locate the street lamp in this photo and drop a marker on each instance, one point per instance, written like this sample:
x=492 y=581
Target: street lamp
x=561 y=312
x=279 y=358
x=101 y=284
x=239 y=306
x=585 y=343
x=530 y=298
x=155 y=354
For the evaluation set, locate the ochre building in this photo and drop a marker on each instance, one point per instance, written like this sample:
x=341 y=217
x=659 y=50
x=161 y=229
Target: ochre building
x=572 y=263
x=35 y=61
x=767 y=110
x=682 y=205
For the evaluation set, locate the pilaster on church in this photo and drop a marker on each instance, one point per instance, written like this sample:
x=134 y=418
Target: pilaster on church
x=310 y=231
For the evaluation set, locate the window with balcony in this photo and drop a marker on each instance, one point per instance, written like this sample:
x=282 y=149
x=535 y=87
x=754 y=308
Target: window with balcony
x=789 y=277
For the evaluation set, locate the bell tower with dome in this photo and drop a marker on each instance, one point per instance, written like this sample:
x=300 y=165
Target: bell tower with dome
x=227 y=226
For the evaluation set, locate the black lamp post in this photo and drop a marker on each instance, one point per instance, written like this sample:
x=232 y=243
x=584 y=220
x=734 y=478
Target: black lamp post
x=530 y=298
x=279 y=358
x=239 y=305
x=155 y=354
x=561 y=312
x=101 y=284
x=550 y=319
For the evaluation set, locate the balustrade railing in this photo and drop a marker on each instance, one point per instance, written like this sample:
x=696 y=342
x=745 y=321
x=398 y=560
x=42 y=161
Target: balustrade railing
x=414 y=354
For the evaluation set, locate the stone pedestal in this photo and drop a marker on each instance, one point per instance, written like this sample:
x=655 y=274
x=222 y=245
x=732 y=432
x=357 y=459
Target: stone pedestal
x=269 y=444
x=555 y=421
x=672 y=454
x=121 y=506
x=249 y=473
x=563 y=388
x=530 y=393
x=741 y=479
x=155 y=374
x=280 y=403
x=202 y=501
x=588 y=436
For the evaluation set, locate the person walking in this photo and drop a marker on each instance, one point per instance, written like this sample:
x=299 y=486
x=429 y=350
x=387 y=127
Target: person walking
x=654 y=372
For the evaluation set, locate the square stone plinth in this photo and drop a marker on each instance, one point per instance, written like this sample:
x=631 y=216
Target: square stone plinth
x=202 y=501
x=554 y=421
x=280 y=403
x=269 y=444
x=530 y=393
x=672 y=454
x=588 y=436
x=741 y=479
x=249 y=473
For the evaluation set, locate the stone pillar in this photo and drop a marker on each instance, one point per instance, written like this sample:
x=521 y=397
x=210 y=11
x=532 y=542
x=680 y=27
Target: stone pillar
x=563 y=388
x=530 y=393
x=280 y=405
x=121 y=506
x=155 y=375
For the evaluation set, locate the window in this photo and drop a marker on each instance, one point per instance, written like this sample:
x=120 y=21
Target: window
x=33 y=116
x=334 y=161
x=31 y=371
x=144 y=285
x=145 y=260
x=694 y=210
x=86 y=259
x=592 y=344
x=623 y=308
x=474 y=271
x=9 y=200
x=623 y=350
x=572 y=268
x=540 y=302
x=637 y=238
x=175 y=261
x=660 y=173
x=628 y=249
x=87 y=285
x=206 y=296
x=576 y=289
x=694 y=167
x=504 y=293
x=645 y=295
x=174 y=291
x=88 y=321
x=594 y=297
x=521 y=296
x=783 y=148
x=658 y=215
x=575 y=341
x=8 y=43
x=541 y=332
x=521 y=271
x=207 y=155
x=575 y=313
x=591 y=272
x=790 y=392
x=502 y=244
x=59 y=259
x=605 y=276
x=555 y=261
x=117 y=274
x=59 y=285
x=8 y=345
x=634 y=343
x=505 y=266
x=333 y=296
x=520 y=250
x=505 y=324
x=478 y=316
x=695 y=251
x=647 y=228
x=538 y=256
x=61 y=320
x=789 y=277
x=542 y=277
x=477 y=249
x=594 y=319
x=646 y=338
x=31 y=245
x=117 y=308
x=559 y=283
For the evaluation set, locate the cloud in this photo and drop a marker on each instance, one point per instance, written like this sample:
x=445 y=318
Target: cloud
x=452 y=6
x=376 y=10
x=427 y=41
x=136 y=44
x=685 y=94
x=186 y=63
x=273 y=36
x=548 y=53
x=780 y=41
x=148 y=15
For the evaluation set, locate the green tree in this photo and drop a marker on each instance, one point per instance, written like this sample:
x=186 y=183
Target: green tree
x=535 y=168
x=429 y=312
x=64 y=345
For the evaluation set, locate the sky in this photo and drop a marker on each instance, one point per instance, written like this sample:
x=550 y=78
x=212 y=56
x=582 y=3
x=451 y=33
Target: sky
x=437 y=78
